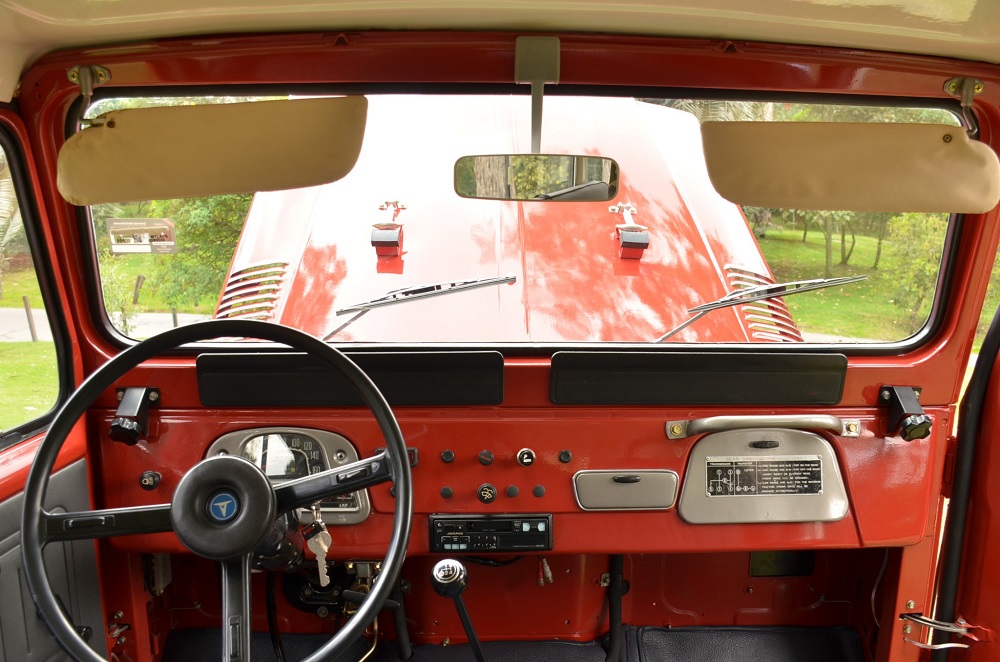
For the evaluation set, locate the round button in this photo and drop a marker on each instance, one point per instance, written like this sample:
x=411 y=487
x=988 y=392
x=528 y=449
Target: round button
x=565 y=457
x=447 y=492
x=486 y=493
x=539 y=491
x=447 y=456
x=512 y=491
x=149 y=480
x=222 y=507
x=526 y=457
x=486 y=458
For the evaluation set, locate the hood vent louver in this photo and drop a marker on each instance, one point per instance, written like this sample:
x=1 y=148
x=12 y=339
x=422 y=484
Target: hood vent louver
x=252 y=292
x=768 y=320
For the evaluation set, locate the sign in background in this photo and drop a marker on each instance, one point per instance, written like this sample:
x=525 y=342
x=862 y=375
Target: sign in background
x=142 y=235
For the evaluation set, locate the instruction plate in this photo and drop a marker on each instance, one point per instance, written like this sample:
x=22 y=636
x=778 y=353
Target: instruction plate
x=748 y=476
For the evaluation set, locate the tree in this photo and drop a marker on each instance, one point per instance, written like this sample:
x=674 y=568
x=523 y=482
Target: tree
x=917 y=244
x=207 y=231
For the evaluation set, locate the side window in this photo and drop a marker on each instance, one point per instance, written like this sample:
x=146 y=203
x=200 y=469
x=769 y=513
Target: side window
x=29 y=377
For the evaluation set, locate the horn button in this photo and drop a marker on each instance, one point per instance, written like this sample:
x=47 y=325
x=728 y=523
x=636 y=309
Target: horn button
x=223 y=508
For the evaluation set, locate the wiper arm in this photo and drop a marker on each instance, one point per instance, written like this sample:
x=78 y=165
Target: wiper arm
x=759 y=293
x=413 y=293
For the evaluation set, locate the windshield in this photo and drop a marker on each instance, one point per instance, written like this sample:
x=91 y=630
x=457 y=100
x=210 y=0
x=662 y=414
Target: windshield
x=404 y=250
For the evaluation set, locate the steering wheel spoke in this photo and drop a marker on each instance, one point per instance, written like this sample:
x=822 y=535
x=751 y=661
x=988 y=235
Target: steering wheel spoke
x=105 y=523
x=236 y=617
x=333 y=482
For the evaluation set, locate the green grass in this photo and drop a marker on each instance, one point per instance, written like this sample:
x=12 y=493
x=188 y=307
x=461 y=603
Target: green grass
x=17 y=284
x=28 y=381
x=866 y=309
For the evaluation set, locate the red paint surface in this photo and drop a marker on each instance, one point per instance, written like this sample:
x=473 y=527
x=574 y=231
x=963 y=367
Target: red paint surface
x=680 y=574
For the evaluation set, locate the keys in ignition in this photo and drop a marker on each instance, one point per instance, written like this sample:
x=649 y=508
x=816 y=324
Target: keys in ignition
x=318 y=541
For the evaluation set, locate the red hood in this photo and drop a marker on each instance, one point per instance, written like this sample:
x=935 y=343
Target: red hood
x=571 y=283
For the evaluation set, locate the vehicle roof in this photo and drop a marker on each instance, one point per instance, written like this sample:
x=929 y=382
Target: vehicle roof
x=966 y=29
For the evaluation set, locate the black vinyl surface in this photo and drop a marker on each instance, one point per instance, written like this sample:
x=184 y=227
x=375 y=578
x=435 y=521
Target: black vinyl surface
x=697 y=378
x=743 y=644
x=642 y=644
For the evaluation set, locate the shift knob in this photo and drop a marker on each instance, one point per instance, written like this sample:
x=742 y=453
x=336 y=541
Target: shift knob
x=449 y=578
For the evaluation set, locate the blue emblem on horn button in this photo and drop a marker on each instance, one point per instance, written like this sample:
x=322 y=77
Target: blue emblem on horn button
x=223 y=507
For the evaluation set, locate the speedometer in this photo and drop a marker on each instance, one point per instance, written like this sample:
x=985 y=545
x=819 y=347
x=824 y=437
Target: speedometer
x=285 y=455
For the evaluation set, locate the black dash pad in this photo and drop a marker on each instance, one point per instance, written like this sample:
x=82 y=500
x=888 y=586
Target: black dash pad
x=298 y=380
x=697 y=378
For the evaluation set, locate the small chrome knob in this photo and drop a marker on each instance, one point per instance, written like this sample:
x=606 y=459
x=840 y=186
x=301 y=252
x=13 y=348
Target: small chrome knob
x=449 y=578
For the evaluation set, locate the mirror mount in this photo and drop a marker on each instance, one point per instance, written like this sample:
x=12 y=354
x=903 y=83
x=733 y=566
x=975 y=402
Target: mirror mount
x=536 y=62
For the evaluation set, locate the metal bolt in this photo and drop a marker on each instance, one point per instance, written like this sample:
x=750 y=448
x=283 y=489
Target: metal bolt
x=322 y=612
x=118 y=615
x=122 y=640
x=961 y=622
x=885 y=394
x=676 y=429
x=749 y=589
x=120 y=395
x=446 y=642
x=74 y=76
x=153 y=396
x=947 y=137
x=910 y=604
x=978 y=88
x=852 y=427
x=101 y=76
x=907 y=629
x=350 y=566
x=307 y=591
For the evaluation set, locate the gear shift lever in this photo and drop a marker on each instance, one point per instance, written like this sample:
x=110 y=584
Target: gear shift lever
x=449 y=579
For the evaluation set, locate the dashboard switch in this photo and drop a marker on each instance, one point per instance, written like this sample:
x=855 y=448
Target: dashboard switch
x=526 y=457
x=486 y=458
x=447 y=456
x=486 y=493
x=512 y=491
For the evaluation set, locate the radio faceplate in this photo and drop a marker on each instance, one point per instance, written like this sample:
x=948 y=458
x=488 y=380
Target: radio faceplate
x=491 y=533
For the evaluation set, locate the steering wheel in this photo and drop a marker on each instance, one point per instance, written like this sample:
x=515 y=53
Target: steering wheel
x=228 y=534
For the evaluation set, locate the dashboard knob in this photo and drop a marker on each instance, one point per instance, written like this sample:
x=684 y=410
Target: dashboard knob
x=486 y=458
x=447 y=456
x=486 y=493
x=526 y=457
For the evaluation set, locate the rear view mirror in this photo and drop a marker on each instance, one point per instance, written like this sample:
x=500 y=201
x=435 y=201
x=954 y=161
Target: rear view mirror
x=555 y=177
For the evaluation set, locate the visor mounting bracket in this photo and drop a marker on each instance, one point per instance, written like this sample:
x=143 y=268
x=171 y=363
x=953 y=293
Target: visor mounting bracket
x=88 y=76
x=966 y=90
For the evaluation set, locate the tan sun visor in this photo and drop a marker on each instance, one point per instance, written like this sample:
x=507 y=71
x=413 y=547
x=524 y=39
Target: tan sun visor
x=851 y=167
x=190 y=151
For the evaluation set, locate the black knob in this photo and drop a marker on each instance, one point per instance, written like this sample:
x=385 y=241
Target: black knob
x=126 y=431
x=449 y=578
x=486 y=493
x=526 y=457
x=149 y=480
x=565 y=457
x=917 y=426
x=539 y=491
x=512 y=491
x=447 y=456
x=486 y=458
x=447 y=492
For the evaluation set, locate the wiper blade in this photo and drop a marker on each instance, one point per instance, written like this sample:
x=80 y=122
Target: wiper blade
x=759 y=293
x=415 y=292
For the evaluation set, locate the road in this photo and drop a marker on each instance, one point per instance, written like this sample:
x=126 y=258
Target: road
x=14 y=324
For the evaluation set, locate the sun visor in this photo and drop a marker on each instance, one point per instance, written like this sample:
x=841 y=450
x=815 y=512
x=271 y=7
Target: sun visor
x=190 y=151
x=851 y=167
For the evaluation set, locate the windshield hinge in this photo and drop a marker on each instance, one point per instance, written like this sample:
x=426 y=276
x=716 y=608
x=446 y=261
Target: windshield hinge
x=960 y=627
x=387 y=236
x=88 y=76
x=632 y=238
x=966 y=90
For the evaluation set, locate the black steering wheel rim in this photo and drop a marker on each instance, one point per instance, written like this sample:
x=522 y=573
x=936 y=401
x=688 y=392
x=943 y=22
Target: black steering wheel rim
x=33 y=514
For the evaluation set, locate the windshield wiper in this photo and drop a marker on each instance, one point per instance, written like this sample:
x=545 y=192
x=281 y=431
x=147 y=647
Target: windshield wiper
x=413 y=293
x=759 y=293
